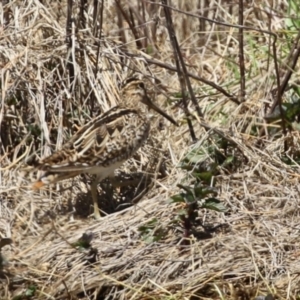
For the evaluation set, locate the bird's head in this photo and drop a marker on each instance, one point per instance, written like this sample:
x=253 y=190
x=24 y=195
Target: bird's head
x=134 y=92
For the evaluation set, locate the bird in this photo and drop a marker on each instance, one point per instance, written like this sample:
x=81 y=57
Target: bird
x=103 y=144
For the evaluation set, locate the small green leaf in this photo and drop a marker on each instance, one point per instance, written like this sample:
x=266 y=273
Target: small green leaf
x=149 y=49
x=148 y=226
x=189 y=198
x=151 y=238
x=151 y=232
x=84 y=242
x=186 y=188
x=228 y=160
x=178 y=198
x=152 y=223
x=205 y=176
x=11 y=101
x=30 y=291
x=198 y=191
x=179 y=95
x=187 y=167
x=194 y=158
x=214 y=204
x=34 y=129
x=203 y=192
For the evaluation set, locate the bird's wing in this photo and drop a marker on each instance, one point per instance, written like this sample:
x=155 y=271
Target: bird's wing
x=102 y=141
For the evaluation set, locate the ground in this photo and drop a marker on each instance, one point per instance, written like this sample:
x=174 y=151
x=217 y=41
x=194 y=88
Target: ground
x=214 y=211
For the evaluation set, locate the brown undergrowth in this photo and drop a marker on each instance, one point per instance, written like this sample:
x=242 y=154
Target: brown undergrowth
x=61 y=65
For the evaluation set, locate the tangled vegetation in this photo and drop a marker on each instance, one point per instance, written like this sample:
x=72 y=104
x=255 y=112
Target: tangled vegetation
x=212 y=209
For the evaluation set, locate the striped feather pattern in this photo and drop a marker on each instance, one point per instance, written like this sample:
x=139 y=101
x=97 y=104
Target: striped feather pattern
x=104 y=143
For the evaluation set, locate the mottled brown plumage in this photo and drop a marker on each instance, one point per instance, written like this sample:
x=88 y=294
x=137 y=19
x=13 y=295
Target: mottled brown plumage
x=103 y=144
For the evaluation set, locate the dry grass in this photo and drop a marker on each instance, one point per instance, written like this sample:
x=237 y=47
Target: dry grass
x=57 y=74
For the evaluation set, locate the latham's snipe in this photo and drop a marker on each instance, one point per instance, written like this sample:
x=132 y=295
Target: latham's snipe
x=104 y=143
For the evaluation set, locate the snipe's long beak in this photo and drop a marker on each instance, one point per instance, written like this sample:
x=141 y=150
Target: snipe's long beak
x=152 y=105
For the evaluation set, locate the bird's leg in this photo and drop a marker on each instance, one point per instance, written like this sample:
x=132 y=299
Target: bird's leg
x=95 y=197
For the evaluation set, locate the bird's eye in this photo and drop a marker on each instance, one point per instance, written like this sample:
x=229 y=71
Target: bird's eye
x=141 y=85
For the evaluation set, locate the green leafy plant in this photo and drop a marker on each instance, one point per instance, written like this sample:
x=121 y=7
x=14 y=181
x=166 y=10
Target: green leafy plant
x=291 y=111
x=84 y=242
x=293 y=22
x=29 y=293
x=151 y=231
x=202 y=164
x=197 y=194
x=195 y=198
